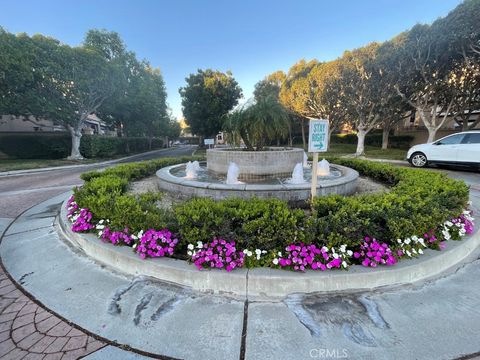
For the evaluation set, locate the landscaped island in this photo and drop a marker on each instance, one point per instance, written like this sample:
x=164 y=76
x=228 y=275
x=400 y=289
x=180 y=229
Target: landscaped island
x=421 y=210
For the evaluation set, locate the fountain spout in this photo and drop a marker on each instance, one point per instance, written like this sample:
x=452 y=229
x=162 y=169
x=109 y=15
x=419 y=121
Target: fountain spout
x=191 y=170
x=305 y=160
x=323 y=168
x=232 y=174
x=297 y=175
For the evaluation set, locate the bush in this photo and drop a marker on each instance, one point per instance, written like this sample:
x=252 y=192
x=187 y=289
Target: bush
x=35 y=145
x=254 y=223
x=394 y=141
x=58 y=145
x=419 y=201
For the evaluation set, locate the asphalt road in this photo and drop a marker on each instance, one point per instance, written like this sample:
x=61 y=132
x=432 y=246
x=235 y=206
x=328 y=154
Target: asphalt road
x=20 y=192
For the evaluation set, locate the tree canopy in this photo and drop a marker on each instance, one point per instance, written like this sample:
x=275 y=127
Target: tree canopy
x=206 y=98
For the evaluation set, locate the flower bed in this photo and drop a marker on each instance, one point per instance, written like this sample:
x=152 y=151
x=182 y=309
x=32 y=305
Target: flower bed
x=422 y=210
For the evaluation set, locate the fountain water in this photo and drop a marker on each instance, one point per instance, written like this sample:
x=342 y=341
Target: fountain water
x=191 y=169
x=297 y=175
x=232 y=174
x=323 y=168
x=306 y=165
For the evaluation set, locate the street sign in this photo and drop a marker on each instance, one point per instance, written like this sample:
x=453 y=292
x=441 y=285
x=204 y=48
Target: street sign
x=317 y=142
x=318 y=136
x=209 y=141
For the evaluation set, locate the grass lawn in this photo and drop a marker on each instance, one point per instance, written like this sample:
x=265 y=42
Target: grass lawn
x=22 y=164
x=370 y=151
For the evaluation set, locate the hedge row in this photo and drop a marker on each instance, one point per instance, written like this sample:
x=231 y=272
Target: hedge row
x=418 y=201
x=394 y=141
x=58 y=146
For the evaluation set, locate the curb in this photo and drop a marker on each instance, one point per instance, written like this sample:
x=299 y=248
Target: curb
x=79 y=166
x=265 y=283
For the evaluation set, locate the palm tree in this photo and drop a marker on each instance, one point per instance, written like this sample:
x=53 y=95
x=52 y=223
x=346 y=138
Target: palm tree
x=260 y=123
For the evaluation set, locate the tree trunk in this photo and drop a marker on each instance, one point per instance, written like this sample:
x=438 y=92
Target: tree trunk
x=432 y=132
x=150 y=140
x=385 y=133
x=330 y=132
x=76 y=133
x=303 y=133
x=290 y=140
x=361 y=142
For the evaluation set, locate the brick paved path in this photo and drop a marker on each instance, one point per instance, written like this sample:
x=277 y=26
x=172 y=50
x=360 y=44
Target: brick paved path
x=28 y=331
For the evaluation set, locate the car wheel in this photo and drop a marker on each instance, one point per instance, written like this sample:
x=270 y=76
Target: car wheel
x=418 y=159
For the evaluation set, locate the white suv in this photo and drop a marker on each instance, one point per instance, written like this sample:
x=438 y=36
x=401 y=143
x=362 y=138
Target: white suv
x=457 y=149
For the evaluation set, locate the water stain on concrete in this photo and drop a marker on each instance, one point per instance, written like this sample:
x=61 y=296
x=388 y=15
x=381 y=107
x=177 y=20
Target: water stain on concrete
x=354 y=316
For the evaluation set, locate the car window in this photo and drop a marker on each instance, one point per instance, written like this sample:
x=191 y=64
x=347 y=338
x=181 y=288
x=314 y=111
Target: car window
x=473 y=138
x=451 y=140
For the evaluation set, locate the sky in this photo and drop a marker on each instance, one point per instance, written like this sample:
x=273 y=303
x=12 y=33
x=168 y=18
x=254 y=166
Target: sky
x=251 y=38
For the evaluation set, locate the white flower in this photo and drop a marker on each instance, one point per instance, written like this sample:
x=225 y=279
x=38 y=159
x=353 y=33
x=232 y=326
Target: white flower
x=399 y=241
x=199 y=244
x=414 y=251
x=279 y=253
x=349 y=252
x=134 y=237
x=134 y=245
x=140 y=233
x=335 y=255
x=258 y=251
x=189 y=253
x=324 y=249
x=343 y=248
x=344 y=264
x=407 y=241
x=100 y=233
x=420 y=251
x=190 y=247
x=101 y=221
x=409 y=253
x=275 y=261
x=264 y=251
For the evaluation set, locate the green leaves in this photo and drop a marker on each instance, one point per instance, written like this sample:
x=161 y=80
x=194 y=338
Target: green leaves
x=206 y=98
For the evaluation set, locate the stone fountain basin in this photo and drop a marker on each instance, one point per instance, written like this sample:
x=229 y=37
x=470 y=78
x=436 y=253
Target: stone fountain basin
x=274 y=162
x=344 y=185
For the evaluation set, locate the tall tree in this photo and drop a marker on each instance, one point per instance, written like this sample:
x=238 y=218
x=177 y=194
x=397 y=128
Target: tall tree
x=362 y=90
x=295 y=92
x=206 y=98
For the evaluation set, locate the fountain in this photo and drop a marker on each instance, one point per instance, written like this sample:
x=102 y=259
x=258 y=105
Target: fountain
x=297 y=175
x=272 y=173
x=192 y=169
x=232 y=174
x=323 y=168
x=306 y=165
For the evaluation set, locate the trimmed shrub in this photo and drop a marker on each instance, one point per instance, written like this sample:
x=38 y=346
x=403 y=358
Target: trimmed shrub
x=58 y=145
x=417 y=203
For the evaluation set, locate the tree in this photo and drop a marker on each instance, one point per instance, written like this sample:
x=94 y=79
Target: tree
x=423 y=77
x=206 y=98
x=62 y=83
x=260 y=123
x=295 y=92
x=362 y=90
x=270 y=86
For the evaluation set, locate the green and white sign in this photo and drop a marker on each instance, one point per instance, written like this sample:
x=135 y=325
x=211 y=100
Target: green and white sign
x=318 y=136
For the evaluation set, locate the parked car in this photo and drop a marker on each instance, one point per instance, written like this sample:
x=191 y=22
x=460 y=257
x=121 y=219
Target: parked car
x=458 y=149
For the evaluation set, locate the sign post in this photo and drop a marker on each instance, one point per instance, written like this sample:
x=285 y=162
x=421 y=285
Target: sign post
x=317 y=142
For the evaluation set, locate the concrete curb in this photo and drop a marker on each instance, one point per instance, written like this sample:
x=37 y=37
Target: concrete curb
x=79 y=166
x=265 y=283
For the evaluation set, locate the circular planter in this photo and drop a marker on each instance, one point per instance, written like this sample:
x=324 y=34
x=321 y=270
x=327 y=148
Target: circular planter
x=275 y=162
x=267 y=283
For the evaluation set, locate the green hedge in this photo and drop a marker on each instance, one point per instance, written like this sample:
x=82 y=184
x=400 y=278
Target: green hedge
x=417 y=202
x=394 y=141
x=58 y=145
